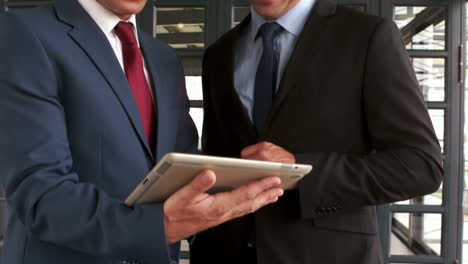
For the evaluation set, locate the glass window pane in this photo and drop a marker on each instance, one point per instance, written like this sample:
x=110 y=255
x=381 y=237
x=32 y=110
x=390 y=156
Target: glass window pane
x=181 y=27
x=193 y=81
x=422 y=27
x=194 y=87
x=430 y=73
x=416 y=234
x=438 y=121
x=239 y=13
x=197 y=116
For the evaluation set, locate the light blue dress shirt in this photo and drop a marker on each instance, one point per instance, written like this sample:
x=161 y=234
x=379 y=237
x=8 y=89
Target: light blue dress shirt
x=249 y=50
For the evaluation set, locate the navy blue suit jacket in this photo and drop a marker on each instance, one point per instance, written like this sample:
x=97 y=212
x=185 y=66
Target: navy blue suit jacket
x=72 y=146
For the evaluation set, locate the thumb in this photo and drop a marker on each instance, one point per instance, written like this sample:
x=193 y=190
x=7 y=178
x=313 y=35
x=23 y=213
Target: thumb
x=200 y=184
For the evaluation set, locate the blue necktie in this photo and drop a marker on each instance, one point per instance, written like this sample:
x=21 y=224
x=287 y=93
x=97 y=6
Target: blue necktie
x=265 y=78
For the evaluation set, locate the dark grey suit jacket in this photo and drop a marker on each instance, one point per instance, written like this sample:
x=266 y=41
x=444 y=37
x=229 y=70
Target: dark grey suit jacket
x=350 y=105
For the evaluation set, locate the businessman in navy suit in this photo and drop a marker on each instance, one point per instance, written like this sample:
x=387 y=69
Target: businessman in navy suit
x=88 y=105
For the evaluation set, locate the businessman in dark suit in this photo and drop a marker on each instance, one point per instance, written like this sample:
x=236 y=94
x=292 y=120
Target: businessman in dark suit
x=88 y=105
x=313 y=82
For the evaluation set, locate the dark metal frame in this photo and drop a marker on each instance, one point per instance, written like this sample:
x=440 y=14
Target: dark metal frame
x=452 y=223
x=403 y=233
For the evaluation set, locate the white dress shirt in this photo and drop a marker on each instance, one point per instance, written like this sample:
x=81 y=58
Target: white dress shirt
x=106 y=20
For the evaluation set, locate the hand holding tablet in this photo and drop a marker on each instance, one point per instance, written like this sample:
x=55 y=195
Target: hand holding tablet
x=191 y=210
x=176 y=170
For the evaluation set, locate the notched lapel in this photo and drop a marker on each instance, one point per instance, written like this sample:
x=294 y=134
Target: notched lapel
x=160 y=93
x=226 y=95
x=305 y=52
x=94 y=43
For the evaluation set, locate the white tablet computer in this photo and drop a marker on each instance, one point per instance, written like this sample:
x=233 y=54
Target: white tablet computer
x=176 y=170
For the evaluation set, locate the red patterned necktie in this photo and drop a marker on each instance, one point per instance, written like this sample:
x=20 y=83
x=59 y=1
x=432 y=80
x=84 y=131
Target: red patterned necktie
x=133 y=65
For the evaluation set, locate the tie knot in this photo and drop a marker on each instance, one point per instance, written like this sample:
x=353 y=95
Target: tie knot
x=124 y=32
x=268 y=31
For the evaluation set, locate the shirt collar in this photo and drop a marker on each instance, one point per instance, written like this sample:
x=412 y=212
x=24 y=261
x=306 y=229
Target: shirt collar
x=105 y=19
x=293 y=21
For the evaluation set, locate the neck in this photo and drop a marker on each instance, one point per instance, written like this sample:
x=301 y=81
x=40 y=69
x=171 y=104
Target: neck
x=124 y=17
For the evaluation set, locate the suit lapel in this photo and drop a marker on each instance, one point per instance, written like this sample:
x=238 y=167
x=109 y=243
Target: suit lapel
x=307 y=46
x=308 y=42
x=94 y=43
x=161 y=94
x=226 y=95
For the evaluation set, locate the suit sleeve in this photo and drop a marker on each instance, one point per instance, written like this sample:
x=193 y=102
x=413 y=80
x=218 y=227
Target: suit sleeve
x=43 y=190
x=212 y=136
x=406 y=157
